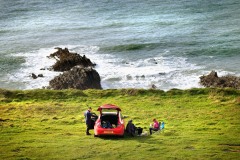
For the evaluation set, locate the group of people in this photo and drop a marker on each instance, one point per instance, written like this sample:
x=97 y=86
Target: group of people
x=155 y=126
x=130 y=128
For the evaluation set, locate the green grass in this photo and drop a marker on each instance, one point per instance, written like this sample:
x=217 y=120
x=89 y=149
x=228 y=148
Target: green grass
x=47 y=124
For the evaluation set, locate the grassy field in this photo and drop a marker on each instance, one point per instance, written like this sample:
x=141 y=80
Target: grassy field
x=47 y=124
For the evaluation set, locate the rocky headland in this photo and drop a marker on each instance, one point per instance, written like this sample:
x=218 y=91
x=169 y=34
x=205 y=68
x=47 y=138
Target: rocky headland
x=78 y=72
x=213 y=80
x=66 y=60
x=78 y=78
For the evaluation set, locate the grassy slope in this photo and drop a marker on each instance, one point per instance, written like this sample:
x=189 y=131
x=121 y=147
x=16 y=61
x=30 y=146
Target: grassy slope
x=45 y=124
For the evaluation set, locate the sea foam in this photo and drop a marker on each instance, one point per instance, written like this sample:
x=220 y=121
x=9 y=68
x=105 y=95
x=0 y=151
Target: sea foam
x=165 y=72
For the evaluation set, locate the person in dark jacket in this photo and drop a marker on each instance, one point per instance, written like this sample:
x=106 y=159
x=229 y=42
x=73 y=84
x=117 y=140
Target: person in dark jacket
x=88 y=120
x=131 y=128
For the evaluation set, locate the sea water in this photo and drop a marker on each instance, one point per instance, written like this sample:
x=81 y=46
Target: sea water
x=135 y=44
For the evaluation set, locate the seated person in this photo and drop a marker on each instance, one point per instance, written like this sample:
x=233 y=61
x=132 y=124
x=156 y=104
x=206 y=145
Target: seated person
x=130 y=128
x=154 y=126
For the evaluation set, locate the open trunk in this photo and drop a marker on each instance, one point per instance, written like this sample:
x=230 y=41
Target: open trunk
x=109 y=120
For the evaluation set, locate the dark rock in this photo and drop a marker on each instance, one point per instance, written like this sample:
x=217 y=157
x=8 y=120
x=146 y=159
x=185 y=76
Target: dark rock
x=67 y=60
x=162 y=73
x=212 y=80
x=34 y=76
x=77 y=78
x=40 y=75
x=153 y=86
x=142 y=77
x=209 y=80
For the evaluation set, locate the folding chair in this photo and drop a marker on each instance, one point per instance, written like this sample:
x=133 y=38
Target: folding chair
x=159 y=129
x=162 y=125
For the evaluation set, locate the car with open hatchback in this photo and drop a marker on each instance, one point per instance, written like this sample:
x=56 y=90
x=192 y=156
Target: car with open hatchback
x=110 y=121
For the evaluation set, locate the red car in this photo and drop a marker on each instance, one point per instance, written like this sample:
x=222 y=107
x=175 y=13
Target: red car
x=109 y=122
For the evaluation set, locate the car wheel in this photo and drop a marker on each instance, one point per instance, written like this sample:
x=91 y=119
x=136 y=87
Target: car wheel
x=95 y=135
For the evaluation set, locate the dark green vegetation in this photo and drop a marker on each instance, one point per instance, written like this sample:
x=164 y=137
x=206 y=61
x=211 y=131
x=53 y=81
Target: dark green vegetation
x=47 y=124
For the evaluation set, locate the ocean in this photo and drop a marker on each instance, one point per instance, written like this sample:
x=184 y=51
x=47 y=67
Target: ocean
x=135 y=43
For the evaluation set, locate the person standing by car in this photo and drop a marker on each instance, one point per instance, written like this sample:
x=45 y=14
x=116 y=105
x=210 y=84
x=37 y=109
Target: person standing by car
x=88 y=119
x=154 y=126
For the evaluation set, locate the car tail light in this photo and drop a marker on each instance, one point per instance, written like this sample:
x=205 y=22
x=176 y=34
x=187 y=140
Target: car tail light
x=119 y=124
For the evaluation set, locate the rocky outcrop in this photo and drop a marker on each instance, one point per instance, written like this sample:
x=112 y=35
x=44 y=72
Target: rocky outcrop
x=66 y=60
x=212 y=80
x=77 y=71
x=78 y=78
x=34 y=76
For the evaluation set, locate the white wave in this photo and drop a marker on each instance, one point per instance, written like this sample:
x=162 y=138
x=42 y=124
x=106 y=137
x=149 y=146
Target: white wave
x=35 y=62
x=163 y=71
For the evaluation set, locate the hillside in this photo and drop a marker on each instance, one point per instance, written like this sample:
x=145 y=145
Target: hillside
x=48 y=124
